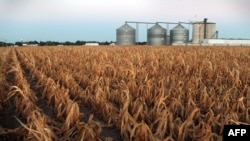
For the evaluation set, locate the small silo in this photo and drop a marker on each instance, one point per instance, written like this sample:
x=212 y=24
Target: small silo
x=203 y=30
x=125 y=35
x=179 y=35
x=156 y=35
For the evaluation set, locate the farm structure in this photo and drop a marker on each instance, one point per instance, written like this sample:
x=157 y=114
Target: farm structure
x=203 y=33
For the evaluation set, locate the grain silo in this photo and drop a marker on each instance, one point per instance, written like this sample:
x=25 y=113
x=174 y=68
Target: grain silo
x=179 y=35
x=203 y=30
x=125 y=35
x=156 y=35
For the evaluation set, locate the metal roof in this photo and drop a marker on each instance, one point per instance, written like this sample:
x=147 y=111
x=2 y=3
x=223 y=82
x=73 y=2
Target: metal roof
x=179 y=27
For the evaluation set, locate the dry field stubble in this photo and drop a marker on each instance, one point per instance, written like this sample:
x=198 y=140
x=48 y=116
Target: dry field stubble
x=123 y=93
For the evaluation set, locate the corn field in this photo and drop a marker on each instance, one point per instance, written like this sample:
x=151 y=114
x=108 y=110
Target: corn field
x=123 y=93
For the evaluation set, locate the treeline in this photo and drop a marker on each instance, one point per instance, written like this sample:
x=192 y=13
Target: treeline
x=3 y=44
x=52 y=43
x=56 y=43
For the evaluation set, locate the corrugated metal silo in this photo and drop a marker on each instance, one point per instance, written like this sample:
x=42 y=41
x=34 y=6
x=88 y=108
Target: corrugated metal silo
x=156 y=35
x=179 y=35
x=198 y=32
x=125 y=35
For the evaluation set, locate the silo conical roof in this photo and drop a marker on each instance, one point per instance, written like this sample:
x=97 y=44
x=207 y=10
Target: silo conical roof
x=126 y=27
x=179 y=27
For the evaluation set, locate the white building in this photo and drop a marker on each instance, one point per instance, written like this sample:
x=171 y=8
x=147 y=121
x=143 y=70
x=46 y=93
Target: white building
x=227 y=42
x=91 y=44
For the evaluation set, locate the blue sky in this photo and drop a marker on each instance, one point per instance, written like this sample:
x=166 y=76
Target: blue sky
x=97 y=20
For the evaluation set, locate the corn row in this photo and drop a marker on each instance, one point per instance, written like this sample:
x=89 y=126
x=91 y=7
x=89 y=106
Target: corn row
x=66 y=109
x=25 y=103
